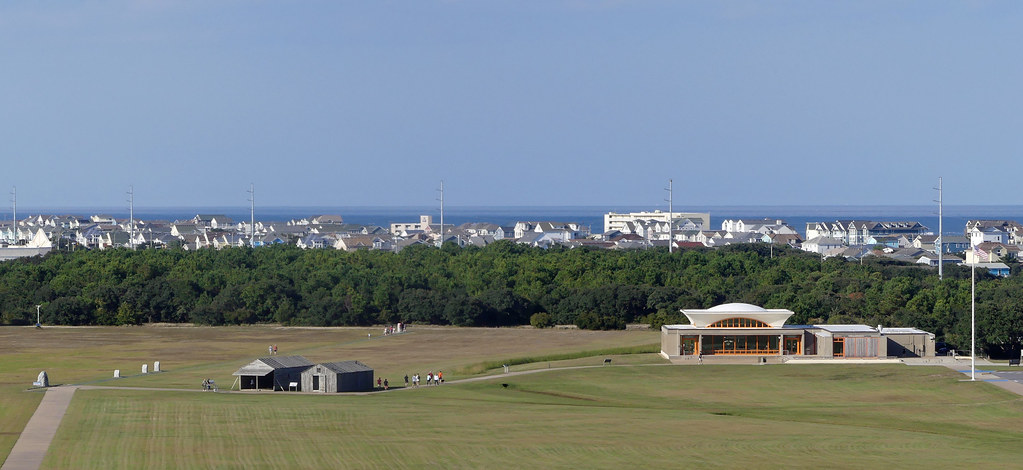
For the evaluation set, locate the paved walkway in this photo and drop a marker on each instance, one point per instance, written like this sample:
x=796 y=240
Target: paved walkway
x=1004 y=380
x=31 y=447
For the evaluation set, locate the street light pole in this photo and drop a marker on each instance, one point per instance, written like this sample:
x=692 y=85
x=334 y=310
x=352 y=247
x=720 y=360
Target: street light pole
x=38 y=324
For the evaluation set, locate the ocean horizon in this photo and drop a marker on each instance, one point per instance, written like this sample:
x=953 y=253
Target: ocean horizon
x=797 y=216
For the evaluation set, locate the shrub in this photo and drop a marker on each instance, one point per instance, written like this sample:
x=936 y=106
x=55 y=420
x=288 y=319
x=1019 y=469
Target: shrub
x=541 y=320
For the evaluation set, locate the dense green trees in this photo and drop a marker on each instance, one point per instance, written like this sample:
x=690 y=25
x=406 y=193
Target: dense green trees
x=503 y=284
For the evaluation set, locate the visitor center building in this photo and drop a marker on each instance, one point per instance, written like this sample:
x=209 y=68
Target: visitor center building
x=738 y=329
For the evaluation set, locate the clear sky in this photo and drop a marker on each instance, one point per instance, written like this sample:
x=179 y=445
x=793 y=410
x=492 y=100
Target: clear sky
x=515 y=102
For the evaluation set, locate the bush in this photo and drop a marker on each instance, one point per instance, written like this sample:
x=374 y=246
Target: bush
x=541 y=320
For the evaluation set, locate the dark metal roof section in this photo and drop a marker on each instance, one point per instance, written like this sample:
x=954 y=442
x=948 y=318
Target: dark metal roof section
x=347 y=366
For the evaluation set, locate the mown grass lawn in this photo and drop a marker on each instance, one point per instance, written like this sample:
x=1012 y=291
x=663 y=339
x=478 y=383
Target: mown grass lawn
x=643 y=416
x=640 y=414
x=190 y=354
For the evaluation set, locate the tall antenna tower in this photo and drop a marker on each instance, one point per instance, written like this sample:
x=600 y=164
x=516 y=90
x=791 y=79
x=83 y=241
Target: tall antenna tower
x=937 y=241
x=441 y=199
x=671 y=219
x=131 y=216
x=252 y=215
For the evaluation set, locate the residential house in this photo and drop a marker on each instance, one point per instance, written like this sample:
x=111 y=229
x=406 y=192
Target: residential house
x=181 y=229
x=697 y=220
x=1012 y=229
x=822 y=244
x=552 y=230
x=932 y=260
x=363 y=242
x=327 y=220
x=314 y=240
x=793 y=239
x=425 y=221
x=213 y=221
x=981 y=235
x=949 y=243
x=994 y=269
x=991 y=252
x=856 y=232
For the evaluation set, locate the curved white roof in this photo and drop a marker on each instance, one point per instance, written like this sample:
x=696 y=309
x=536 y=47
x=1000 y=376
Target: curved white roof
x=702 y=318
x=736 y=308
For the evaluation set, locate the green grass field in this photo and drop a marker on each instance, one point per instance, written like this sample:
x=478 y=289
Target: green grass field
x=639 y=413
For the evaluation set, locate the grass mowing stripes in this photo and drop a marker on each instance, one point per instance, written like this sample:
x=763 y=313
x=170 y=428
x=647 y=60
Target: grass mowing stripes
x=485 y=366
x=710 y=416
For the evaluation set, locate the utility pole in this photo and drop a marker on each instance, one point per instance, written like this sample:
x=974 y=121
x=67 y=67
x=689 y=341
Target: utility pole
x=441 y=199
x=131 y=216
x=14 y=208
x=671 y=219
x=252 y=215
x=937 y=241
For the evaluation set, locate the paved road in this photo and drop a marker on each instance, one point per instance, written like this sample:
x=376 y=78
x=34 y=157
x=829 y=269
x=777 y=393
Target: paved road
x=31 y=447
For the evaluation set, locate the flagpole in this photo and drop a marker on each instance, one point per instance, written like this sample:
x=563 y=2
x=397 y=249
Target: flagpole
x=973 y=316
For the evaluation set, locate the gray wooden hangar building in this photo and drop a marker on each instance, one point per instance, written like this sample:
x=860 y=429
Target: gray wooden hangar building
x=296 y=373
x=333 y=377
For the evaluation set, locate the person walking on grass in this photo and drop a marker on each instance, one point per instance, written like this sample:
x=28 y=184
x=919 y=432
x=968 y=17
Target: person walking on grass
x=385 y=384
x=440 y=377
x=379 y=384
x=406 y=380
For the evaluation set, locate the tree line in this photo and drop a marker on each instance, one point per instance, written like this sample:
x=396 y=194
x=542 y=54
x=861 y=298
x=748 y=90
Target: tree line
x=500 y=285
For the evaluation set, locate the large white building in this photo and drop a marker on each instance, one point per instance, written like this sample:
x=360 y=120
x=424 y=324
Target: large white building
x=619 y=220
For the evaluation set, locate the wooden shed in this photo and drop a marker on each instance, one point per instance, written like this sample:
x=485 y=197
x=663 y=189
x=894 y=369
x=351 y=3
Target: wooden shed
x=333 y=377
x=273 y=373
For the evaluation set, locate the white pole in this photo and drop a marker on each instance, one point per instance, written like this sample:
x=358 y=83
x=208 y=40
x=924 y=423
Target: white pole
x=938 y=242
x=441 y=190
x=252 y=214
x=973 y=316
x=671 y=220
x=131 y=216
x=14 y=207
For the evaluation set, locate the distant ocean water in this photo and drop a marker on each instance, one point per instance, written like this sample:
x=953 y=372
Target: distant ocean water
x=955 y=217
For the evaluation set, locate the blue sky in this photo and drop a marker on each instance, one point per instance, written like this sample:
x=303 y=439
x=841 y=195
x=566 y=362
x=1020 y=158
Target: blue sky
x=510 y=102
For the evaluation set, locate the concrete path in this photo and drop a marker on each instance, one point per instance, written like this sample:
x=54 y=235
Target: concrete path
x=31 y=447
x=1004 y=380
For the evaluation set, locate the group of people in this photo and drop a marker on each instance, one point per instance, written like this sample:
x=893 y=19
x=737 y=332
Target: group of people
x=209 y=384
x=431 y=379
x=384 y=385
x=272 y=349
x=390 y=330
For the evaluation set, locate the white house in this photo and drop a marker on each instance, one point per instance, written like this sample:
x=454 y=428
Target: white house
x=822 y=245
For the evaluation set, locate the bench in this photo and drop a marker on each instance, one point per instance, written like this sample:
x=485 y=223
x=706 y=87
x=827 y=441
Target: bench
x=607 y=361
x=1014 y=362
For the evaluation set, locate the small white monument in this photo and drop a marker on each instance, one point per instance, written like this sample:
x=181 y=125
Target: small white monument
x=117 y=373
x=42 y=381
x=156 y=366
x=145 y=368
